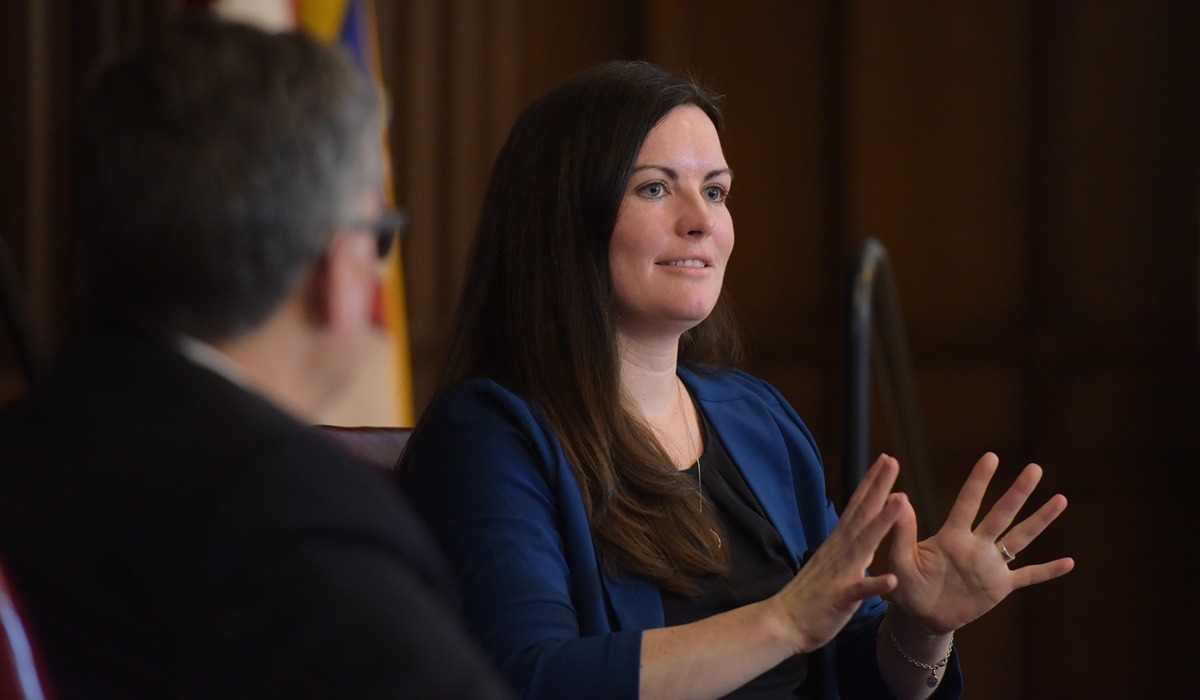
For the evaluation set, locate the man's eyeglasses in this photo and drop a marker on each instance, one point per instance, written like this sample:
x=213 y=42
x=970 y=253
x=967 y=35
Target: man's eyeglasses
x=387 y=228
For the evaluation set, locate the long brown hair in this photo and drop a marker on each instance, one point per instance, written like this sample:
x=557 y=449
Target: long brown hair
x=537 y=308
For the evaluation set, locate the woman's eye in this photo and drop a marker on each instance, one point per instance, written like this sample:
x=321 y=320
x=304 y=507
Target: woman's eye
x=716 y=193
x=654 y=189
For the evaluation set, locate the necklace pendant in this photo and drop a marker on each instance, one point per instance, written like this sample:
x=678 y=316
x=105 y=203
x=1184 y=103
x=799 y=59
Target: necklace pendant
x=932 y=681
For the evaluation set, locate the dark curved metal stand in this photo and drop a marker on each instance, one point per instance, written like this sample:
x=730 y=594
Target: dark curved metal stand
x=873 y=312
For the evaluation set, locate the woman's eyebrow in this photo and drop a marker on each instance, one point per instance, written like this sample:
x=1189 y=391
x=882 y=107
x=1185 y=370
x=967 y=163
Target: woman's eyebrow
x=672 y=174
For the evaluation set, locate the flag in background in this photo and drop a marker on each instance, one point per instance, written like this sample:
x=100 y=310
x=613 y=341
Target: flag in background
x=381 y=392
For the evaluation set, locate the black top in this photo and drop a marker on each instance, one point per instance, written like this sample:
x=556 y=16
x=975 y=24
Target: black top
x=761 y=565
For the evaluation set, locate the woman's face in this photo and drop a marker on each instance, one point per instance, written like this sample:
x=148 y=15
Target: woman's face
x=673 y=234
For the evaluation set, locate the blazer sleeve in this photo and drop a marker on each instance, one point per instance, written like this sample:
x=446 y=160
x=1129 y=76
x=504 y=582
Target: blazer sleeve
x=494 y=486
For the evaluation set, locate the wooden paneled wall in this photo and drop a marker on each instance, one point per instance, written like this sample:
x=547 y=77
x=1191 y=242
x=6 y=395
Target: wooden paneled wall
x=1033 y=169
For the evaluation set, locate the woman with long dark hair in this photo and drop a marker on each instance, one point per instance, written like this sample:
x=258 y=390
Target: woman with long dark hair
x=628 y=515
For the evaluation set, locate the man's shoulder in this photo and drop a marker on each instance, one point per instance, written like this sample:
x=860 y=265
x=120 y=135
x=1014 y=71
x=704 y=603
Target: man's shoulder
x=302 y=480
x=126 y=421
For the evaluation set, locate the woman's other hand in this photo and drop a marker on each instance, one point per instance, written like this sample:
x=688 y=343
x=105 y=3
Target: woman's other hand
x=960 y=573
x=820 y=600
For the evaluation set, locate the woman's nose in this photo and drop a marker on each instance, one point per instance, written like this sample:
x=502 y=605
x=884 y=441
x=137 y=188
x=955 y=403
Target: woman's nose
x=696 y=218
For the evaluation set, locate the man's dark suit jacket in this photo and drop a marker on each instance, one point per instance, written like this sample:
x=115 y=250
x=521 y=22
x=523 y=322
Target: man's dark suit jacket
x=172 y=534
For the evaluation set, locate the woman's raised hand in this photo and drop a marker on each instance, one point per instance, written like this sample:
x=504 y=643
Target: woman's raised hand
x=829 y=588
x=960 y=573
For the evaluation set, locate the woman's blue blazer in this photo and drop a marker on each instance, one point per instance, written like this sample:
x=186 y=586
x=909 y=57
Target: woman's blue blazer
x=491 y=479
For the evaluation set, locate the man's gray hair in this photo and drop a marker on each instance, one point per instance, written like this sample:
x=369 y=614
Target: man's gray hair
x=214 y=163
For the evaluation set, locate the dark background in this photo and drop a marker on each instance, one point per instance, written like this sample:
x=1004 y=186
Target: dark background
x=1032 y=167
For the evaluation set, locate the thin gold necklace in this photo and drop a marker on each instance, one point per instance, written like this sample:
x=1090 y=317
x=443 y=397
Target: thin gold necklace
x=687 y=425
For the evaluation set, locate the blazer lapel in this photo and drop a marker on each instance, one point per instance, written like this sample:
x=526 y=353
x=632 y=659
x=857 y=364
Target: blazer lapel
x=752 y=439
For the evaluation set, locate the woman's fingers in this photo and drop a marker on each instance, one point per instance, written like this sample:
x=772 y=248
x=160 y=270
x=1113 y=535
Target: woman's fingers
x=818 y=608
x=904 y=537
x=1027 y=530
x=860 y=492
x=870 y=495
x=1006 y=508
x=960 y=573
x=966 y=506
x=873 y=586
x=893 y=508
x=867 y=539
x=833 y=583
x=1040 y=573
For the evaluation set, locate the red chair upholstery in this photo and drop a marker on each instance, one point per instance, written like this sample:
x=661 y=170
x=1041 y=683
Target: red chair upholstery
x=377 y=446
x=21 y=676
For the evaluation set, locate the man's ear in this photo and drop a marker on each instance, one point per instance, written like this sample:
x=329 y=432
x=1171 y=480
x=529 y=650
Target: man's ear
x=333 y=283
x=315 y=291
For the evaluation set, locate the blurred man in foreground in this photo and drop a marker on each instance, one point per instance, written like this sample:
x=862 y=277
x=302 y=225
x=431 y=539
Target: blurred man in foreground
x=173 y=526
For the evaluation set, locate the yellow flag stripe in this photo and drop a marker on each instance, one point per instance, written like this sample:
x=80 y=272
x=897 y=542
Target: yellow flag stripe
x=322 y=18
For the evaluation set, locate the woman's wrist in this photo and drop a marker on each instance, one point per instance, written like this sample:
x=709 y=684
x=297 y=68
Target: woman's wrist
x=921 y=645
x=779 y=625
x=909 y=627
x=916 y=642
